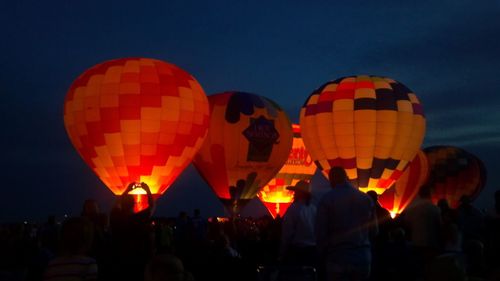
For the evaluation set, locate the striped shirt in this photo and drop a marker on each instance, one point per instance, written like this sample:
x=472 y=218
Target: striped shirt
x=71 y=268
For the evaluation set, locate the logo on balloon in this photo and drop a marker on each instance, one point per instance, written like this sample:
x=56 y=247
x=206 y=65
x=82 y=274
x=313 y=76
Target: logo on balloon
x=262 y=135
x=299 y=157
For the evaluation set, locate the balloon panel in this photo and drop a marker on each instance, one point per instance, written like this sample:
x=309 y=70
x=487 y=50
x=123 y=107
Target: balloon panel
x=136 y=120
x=249 y=139
x=454 y=172
x=299 y=166
x=371 y=126
x=405 y=189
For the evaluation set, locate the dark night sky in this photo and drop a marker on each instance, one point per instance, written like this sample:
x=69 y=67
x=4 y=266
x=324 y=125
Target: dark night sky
x=445 y=51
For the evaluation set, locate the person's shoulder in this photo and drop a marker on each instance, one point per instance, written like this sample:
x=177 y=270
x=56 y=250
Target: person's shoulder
x=309 y=207
x=362 y=196
x=332 y=193
x=82 y=260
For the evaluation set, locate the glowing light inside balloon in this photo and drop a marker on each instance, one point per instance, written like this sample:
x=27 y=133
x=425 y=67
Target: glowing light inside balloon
x=299 y=166
x=249 y=139
x=406 y=188
x=371 y=126
x=136 y=120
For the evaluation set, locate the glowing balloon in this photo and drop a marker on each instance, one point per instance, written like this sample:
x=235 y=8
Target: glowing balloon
x=454 y=172
x=403 y=191
x=250 y=138
x=136 y=120
x=371 y=126
x=299 y=166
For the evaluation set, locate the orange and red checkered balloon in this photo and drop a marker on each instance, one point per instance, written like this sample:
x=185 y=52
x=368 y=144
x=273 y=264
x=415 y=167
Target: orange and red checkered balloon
x=249 y=140
x=454 y=173
x=371 y=126
x=136 y=120
x=299 y=166
x=403 y=191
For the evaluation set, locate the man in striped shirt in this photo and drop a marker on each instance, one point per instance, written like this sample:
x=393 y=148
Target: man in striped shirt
x=72 y=262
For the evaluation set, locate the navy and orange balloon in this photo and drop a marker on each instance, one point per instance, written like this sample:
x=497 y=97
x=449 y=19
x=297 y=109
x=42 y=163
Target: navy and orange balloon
x=136 y=120
x=249 y=140
x=371 y=126
x=454 y=173
x=299 y=166
x=405 y=189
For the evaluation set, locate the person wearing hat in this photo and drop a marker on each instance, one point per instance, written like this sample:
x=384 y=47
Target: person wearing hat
x=298 y=241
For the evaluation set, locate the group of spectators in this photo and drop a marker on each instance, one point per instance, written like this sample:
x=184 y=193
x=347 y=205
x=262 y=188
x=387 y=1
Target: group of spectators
x=346 y=236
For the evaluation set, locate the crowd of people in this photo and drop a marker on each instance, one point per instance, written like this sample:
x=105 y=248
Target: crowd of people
x=346 y=236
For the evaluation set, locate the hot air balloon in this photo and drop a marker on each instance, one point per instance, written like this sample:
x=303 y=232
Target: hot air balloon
x=371 y=126
x=249 y=139
x=403 y=191
x=136 y=120
x=299 y=166
x=454 y=173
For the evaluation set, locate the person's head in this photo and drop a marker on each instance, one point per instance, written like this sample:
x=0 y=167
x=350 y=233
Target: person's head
x=497 y=197
x=182 y=215
x=166 y=267
x=497 y=201
x=302 y=191
x=443 y=204
x=398 y=234
x=465 y=200
x=373 y=195
x=197 y=212
x=76 y=236
x=90 y=208
x=337 y=175
x=425 y=192
x=51 y=220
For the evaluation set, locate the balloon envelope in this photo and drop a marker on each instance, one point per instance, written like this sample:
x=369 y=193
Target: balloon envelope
x=404 y=190
x=249 y=140
x=454 y=173
x=371 y=126
x=299 y=166
x=136 y=120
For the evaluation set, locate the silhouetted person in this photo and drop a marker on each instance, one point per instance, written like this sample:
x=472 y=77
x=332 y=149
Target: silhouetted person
x=182 y=239
x=450 y=263
x=100 y=248
x=298 y=240
x=72 y=262
x=423 y=220
x=166 y=267
x=492 y=250
x=90 y=209
x=379 y=242
x=470 y=220
x=346 y=219
x=475 y=259
x=384 y=219
x=397 y=258
x=198 y=226
x=133 y=236
x=49 y=235
x=448 y=215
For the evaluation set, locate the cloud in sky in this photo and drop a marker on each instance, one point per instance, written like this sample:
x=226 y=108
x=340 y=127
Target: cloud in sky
x=464 y=126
